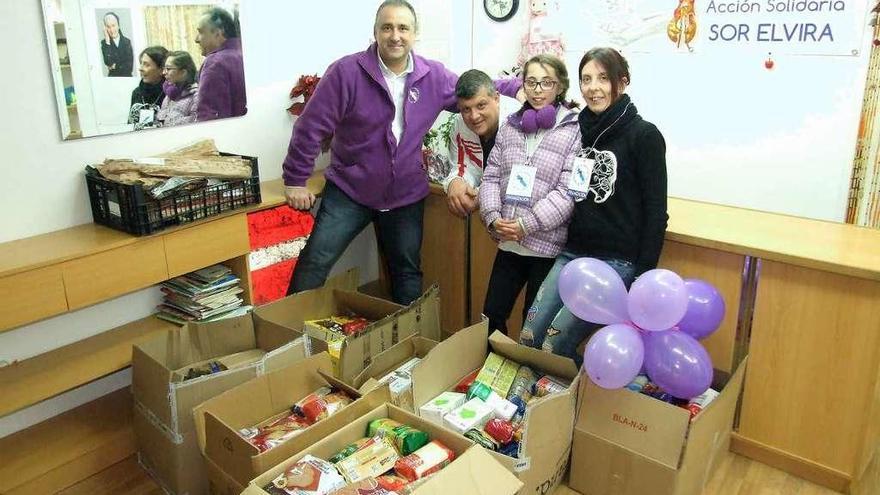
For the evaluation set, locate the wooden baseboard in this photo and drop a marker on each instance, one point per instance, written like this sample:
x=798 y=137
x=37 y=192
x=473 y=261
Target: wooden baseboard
x=62 y=451
x=798 y=466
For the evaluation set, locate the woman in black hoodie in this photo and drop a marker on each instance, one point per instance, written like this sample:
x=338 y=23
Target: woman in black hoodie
x=621 y=217
x=146 y=99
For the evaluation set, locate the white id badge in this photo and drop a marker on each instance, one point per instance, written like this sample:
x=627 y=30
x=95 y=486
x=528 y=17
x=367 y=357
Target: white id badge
x=520 y=184
x=146 y=116
x=579 y=180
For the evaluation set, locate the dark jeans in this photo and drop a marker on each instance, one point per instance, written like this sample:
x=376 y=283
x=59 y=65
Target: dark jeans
x=551 y=326
x=340 y=220
x=509 y=273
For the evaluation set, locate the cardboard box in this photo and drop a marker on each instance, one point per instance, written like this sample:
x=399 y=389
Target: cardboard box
x=220 y=483
x=549 y=422
x=219 y=419
x=390 y=360
x=626 y=443
x=392 y=324
x=473 y=472
x=164 y=427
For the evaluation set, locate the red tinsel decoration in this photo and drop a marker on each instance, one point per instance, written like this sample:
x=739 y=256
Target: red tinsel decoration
x=305 y=87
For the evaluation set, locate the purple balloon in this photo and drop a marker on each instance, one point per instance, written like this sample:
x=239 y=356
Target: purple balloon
x=657 y=300
x=593 y=291
x=614 y=355
x=677 y=363
x=705 y=309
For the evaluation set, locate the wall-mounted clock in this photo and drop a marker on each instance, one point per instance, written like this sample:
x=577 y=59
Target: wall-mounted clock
x=500 y=10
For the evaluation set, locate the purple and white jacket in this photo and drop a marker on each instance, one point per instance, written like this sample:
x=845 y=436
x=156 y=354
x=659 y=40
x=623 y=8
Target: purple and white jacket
x=547 y=213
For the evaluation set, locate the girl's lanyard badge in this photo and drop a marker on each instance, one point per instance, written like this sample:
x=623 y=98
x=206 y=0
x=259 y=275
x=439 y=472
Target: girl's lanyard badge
x=522 y=177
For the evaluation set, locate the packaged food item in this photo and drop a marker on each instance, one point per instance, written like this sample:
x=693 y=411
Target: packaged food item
x=321 y=404
x=547 y=385
x=392 y=482
x=638 y=384
x=405 y=438
x=500 y=430
x=502 y=408
x=472 y=414
x=498 y=373
x=268 y=436
x=482 y=439
x=465 y=383
x=374 y=458
x=520 y=409
x=400 y=384
x=348 y=450
x=698 y=403
x=308 y=476
x=522 y=384
x=510 y=450
x=366 y=486
x=440 y=406
x=427 y=460
x=351 y=325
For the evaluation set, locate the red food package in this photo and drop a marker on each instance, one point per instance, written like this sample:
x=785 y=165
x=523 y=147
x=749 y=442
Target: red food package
x=392 y=482
x=466 y=382
x=427 y=460
x=367 y=486
x=268 y=436
x=500 y=430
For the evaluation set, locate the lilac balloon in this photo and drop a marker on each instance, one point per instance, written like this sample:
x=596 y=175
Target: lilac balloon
x=677 y=363
x=705 y=309
x=614 y=355
x=657 y=300
x=593 y=291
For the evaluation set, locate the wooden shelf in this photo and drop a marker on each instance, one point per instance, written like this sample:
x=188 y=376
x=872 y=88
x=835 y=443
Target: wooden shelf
x=28 y=382
x=58 y=453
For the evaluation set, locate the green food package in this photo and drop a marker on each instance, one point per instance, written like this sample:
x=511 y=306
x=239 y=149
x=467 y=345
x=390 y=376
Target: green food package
x=406 y=438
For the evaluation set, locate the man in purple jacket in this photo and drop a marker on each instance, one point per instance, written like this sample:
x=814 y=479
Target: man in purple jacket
x=221 y=79
x=376 y=105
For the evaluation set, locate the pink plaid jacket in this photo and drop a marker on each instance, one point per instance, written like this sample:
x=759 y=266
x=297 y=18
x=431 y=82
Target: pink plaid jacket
x=547 y=214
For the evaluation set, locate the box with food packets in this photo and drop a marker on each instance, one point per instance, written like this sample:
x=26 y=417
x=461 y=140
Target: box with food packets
x=388 y=451
x=516 y=401
x=394 y=368
x=250 y=428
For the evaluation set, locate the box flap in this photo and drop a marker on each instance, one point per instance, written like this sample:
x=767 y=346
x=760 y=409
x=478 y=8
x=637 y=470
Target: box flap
x=270 y=336
x=284 y=356
x=150 y=379
x=475 y=472
x=389 y=360
x=185 y=396
x=423 y=315
x=449 y=361
x=641 y=423
x=549 y=363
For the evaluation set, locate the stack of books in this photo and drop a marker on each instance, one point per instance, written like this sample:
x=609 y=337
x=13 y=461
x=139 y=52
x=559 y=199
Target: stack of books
x=208 y=294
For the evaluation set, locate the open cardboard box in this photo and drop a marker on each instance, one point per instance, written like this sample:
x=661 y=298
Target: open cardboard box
x=163 y=421
x=548 y=423
x=219 y=419
x=472 y=472
x=390 y=360
x=627 y=443
x=392 y=323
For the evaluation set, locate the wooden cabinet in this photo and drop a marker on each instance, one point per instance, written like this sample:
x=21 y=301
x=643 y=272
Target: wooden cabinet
x=31 y=296
x=105 y=275
x=209 y=243
x=444 y=259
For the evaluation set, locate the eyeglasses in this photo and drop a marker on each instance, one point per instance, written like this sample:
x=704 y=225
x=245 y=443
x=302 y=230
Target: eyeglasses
x=546 y=84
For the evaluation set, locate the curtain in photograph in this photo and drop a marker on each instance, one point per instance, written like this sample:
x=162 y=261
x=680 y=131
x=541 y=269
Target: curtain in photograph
x=175 y=27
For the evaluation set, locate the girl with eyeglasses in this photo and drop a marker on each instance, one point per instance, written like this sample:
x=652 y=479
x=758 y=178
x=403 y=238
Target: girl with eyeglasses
x=523 y=198
x=181 y=90
x=620 y=215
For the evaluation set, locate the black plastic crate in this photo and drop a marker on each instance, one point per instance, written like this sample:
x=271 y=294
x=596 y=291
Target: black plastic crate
x=131 y=209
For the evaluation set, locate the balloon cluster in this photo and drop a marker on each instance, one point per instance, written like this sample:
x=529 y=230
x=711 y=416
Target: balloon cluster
x=654 y=327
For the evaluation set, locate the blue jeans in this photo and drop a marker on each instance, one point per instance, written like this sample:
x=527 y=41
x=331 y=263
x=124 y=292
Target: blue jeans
x=550 y=326
x=340 y=219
